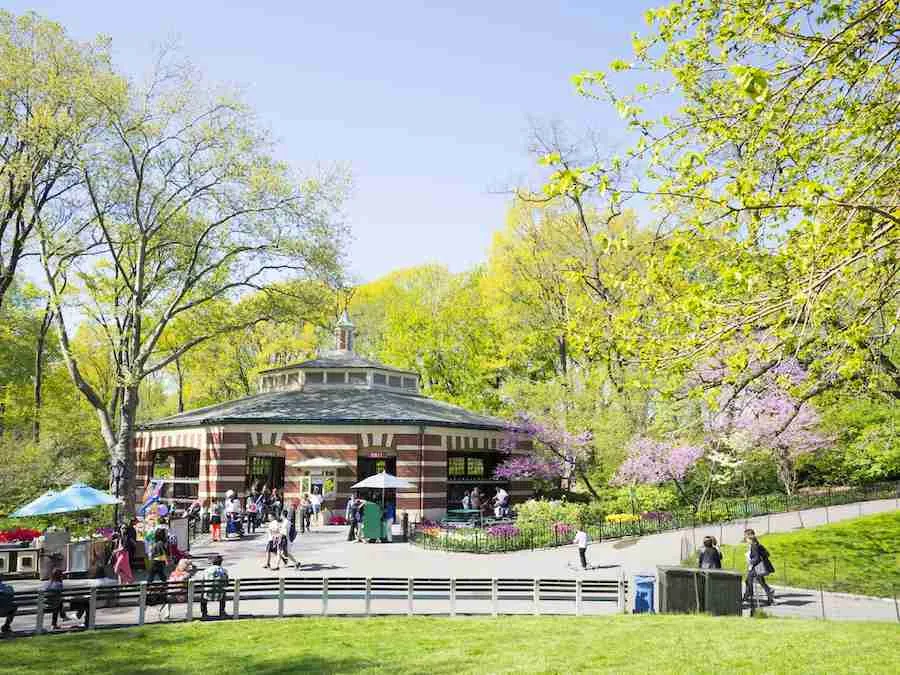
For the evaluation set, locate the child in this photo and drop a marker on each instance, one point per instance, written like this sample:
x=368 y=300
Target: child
x=581 y=540
x=215 y=520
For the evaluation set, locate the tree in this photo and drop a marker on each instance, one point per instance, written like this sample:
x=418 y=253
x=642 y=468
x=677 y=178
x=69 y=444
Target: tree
x=654 y=462
x=183 y=207
x=781 y=156
x=48 y=114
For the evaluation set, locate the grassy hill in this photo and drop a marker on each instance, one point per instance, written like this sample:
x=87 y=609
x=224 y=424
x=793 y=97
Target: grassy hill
x=399 y=645
x=854 y=556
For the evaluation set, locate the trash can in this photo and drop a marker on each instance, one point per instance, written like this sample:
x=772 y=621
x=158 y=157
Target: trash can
x=684 y=590
x=643 y=594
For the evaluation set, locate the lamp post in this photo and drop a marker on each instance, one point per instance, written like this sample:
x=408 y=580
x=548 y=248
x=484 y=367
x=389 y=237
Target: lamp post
x=117 y=472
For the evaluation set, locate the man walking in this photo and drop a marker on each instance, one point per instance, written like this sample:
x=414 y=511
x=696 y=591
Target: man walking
x=581 y=540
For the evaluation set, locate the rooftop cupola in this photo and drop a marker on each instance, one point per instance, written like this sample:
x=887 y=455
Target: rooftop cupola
x=344 y=333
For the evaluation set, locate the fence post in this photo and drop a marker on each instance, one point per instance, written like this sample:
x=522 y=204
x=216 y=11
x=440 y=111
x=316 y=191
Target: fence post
x=495 y=597
x=236 y=600
x=325 y=596
x=189 y=609
x=536 y=597
x=142 y=604
x=92 y=609
x=280 y=596
x=39 y=614
x=368 y=596
x=822 y=601
x=620 y=599
x=409 y=596
x=452 y=596
x=579 y=596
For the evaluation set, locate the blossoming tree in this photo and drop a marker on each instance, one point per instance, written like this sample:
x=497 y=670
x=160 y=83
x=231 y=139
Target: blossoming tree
x=556 y=452
x=655 y=462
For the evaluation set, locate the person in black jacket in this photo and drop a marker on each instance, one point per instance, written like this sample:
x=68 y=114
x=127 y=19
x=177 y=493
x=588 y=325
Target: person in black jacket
x=758 y=567
x=710 y=556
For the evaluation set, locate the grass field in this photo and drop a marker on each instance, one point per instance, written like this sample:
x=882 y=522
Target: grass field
x=398 y=645
x=855 y=556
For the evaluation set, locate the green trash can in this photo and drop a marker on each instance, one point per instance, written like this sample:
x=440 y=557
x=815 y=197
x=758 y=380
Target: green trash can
x=373 y=523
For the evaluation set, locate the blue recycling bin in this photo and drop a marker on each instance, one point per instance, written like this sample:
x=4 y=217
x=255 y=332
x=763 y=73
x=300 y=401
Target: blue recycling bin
x=643 y=594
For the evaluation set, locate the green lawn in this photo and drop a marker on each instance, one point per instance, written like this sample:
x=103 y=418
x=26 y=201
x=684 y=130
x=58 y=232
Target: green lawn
x=854 y=556
x=620 y=644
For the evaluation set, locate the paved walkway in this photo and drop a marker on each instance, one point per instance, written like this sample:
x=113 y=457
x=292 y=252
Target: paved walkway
x=326 y=552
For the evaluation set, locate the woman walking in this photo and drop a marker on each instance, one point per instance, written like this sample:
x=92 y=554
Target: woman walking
x=710 y=556
x=215 y=520
x=122 y=564
x=758 y=567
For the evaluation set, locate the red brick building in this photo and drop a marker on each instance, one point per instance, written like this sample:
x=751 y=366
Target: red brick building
x=326 y=424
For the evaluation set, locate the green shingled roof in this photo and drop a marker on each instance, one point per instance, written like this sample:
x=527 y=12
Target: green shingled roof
x=340 y=406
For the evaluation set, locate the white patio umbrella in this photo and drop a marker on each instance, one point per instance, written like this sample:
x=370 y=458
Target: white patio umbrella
x=383 y=481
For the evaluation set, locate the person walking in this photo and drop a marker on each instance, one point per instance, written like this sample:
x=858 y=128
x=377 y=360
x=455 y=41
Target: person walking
x=215 y=579
x=581 y=540
x=8 y=607
x=758 y=567
x=466 y=501
x=710 y=557
x=284 y=542
x=307 y=513
x=273 y=532
x=316 y=500
x=215 y=519
x=390 y=514
x=122 y=564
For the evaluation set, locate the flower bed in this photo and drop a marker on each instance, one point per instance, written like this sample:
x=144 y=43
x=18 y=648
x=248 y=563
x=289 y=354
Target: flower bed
x=18 y=534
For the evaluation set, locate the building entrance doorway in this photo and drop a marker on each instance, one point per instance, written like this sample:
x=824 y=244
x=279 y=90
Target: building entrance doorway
x=265 y=472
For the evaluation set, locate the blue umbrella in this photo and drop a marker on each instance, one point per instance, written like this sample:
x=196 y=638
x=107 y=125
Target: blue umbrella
x=76 y=497
x=35 y=507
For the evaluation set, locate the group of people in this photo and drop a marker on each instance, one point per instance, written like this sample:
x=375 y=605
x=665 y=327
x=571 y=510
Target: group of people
x=280 y=534
x=246 y=514
x=759 y=566
x=499 y=503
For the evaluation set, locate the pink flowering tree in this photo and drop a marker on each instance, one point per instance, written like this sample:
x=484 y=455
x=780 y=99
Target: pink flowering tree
x=654 y=462
x=771 y=419
x=556 y=452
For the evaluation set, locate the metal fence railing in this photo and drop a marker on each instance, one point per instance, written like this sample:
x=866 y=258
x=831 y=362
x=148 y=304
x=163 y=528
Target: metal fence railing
x=138 y=604
x=513 y=536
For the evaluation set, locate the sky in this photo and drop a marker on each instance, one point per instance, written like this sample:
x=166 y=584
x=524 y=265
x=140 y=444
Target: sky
x=428 y=104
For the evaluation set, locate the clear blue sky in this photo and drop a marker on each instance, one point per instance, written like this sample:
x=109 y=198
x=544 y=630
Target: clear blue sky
x=429 y=106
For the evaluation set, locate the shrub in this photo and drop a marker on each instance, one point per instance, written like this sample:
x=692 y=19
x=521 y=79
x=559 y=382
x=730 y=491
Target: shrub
x=622 y=518
x=536 y=513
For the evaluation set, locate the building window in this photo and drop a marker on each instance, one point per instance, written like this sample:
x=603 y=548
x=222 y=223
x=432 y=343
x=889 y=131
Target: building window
x=474 y=467
x=180 y=469
x=380 y=379
x=409 y=383
x=358 y=378
x=394 y=381
x=335 y=378
x=315 y=378
x=293 y=379
x=456 y=467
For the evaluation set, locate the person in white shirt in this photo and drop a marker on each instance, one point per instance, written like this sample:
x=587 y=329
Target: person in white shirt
x=581 y=540
x=284 y=532
x=315 y=499
x=273 y=541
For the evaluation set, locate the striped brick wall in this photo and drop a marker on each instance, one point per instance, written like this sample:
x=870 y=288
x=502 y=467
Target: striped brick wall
x=300 y=446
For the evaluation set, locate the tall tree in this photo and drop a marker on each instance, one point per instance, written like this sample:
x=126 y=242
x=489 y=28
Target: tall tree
x=184 y=208
x=48 y=114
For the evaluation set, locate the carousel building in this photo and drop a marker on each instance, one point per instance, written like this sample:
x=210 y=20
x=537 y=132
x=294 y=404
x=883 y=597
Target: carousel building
x=323 y=425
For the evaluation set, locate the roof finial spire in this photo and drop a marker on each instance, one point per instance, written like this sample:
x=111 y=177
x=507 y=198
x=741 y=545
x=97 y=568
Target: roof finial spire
x=344 y=333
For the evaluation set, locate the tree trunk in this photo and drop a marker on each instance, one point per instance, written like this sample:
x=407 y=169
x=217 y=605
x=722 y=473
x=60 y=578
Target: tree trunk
x=582 y=474
x=121 y=450
x=39 y=373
